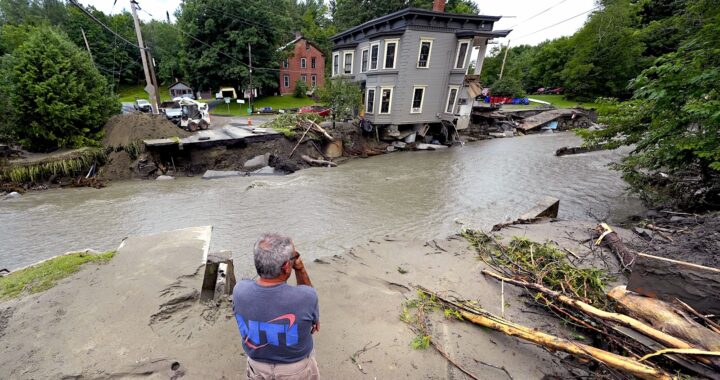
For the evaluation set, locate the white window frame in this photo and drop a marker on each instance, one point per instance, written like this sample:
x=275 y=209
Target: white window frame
x=395 y=57
x=351 y=53
x=335 y=69
x=286 y=81
x=362 y=52
x=377 y=63
x=447 y=100
x=422 y=99
x=457 y=54
x=313 y=80
x=389 y=111
x=367 y=99
x=303 y=63
x=303 y=78
x=430 y=40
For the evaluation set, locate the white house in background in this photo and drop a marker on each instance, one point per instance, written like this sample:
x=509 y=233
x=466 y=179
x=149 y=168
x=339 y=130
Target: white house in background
x=181 y=89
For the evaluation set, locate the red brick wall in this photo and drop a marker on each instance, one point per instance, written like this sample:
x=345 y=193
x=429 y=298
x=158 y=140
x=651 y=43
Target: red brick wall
x=295 y=72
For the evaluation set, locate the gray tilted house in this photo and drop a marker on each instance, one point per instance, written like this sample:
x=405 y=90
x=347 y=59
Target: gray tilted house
x=412 y=64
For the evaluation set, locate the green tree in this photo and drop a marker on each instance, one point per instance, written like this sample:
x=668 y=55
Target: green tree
x=342 y=96
x=300 y=89
x=58 y=99
x=163 y=40
x=674 y=120
x=215 y=38
x=507 y=86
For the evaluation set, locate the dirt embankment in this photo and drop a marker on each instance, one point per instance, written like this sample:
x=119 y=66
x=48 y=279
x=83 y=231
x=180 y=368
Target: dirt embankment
x=124 y=135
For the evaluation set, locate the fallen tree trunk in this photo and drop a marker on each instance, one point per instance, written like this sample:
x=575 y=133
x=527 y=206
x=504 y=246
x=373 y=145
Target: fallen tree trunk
x=624 y=320
x=606 y=235
x=665 y=317
x=578 y=349
x=485 y=319
x=316 y=162
x=322 y=130
x=566 y=150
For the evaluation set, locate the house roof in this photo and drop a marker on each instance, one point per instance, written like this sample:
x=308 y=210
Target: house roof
x=415 y=12
x=179 y=82
x=296 y=40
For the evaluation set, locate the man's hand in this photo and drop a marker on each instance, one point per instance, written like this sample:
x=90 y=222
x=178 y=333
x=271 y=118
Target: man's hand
x=315 y=327
x=298 y=264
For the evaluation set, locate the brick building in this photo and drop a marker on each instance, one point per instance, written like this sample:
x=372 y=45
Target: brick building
x=306 y=62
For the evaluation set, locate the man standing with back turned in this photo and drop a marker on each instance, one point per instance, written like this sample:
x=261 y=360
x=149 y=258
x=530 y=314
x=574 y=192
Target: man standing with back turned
x=277 y=320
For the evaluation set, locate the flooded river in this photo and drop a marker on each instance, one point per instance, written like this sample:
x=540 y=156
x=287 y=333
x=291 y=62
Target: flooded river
x=419 y=194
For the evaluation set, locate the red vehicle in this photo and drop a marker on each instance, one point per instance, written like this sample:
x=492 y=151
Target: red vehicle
x=318 y=109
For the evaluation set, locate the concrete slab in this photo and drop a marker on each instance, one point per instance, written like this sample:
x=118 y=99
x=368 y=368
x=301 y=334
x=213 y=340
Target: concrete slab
x=216 y=174
x=225 y=135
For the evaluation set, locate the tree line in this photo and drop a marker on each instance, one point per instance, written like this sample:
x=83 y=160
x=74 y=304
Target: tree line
x=655 y=66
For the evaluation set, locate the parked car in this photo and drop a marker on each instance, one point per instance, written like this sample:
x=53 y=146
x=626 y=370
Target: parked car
x=556 y=91
x=318 y=109
x=142 y=105
x=172 y=110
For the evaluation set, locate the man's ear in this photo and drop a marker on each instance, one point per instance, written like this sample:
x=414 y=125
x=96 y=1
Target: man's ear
x=287 y=268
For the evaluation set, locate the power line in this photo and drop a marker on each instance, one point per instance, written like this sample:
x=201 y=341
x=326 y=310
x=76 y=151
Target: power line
x=557 y=23
x=75 y=3
x=538 y=14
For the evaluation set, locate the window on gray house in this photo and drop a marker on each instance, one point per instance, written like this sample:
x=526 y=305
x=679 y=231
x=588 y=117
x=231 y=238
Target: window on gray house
x=312 y=62
x=417 y=99
x=374 y=53
x=390 y=55
x=451 y=100
x=364 y=61
x=462 y=53
x=348 y=63
x=370 y=107
x=336 y=64
x=385 y=100
x=424 y=58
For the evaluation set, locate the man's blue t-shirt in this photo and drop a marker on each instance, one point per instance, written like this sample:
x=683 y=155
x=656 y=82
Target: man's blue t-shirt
x=275 y=321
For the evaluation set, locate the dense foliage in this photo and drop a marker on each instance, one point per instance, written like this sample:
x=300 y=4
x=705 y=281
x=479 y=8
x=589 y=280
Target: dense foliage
x=674 y=118
x=56 y=96
x=507 y=86
x=343 y=97
x=300 y=89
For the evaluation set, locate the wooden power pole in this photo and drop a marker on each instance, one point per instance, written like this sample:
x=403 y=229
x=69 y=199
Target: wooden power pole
x=150 y=88
x=251 y=86
x=502 y=68
x=87 y=45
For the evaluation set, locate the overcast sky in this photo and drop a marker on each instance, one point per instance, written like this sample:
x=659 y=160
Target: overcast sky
x=526 y=21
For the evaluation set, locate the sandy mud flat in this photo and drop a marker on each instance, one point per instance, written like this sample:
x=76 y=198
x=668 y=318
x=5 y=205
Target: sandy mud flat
x=140 y=314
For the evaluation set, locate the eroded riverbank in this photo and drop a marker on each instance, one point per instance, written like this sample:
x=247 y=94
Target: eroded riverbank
x=328 y=210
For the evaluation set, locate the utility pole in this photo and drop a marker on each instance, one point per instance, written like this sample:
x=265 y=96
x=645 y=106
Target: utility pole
x=87 y=45
x=151 y=65
x=150 y=88
x=502 y=68
x=251 y=86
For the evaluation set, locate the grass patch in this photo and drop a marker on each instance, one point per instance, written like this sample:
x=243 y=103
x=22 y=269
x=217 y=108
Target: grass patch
x=45 y=275
x=127 y=93
x=276 y=102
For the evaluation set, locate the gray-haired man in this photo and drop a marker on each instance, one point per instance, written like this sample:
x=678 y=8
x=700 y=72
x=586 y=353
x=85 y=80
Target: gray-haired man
x=277 y=320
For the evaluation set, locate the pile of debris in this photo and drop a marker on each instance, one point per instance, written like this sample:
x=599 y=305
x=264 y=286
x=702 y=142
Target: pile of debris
x=665 y=322
x=494 y=122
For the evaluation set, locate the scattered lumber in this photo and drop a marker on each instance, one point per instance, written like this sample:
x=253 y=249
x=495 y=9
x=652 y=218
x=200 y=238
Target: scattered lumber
x=316 y=162
x=301 y=139
x=607 y=237
x=663 y=316
x=667 y=280
x=483 y=318
x=321 y=130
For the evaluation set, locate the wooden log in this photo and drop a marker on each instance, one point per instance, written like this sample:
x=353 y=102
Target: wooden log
x=621 y=319
x=322 y=130
x=315 y=162
x=667 y=279
x=663 y=316
x=606 y=236
x=566 y=150
x=301 y=139
x=483 y=318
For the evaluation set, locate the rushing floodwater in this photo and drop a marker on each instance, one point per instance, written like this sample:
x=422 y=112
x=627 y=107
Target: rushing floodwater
x=326 y=211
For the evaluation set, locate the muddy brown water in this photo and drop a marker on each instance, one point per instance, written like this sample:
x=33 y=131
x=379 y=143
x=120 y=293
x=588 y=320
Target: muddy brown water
x=416 y=194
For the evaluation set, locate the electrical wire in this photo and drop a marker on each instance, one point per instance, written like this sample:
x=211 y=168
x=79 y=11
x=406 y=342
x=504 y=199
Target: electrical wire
x=75 y=3
x=557 y=23
x=538 y=14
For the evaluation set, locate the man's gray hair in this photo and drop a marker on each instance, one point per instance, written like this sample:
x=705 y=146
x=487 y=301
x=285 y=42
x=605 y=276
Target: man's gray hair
x=271 y=251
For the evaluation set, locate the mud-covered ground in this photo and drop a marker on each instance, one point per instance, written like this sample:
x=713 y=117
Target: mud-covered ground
x=681 y=236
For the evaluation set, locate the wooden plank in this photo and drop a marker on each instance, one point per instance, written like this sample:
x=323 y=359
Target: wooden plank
x=667 y=279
